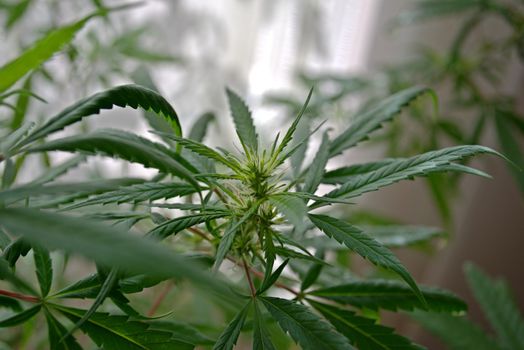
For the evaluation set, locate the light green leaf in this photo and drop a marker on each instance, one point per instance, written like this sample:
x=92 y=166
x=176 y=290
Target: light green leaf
x=113 y=332
x=363 y=332
x=373 y=118
x=390 y=295
x=499 y=307
x=317 y=168
x=44 y=269
x=365 y=246
x=229 y=336
x=306 y=328
x=243 y=122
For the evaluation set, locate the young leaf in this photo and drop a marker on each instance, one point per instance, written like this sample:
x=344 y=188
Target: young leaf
x=44 y=269
x=306 y=328
x=113 y=332
x=364 y=245
x=390 y=295
x=363 y=332
x=128 y=146
x=318 y=166
x=131 y=95
x=147 y=191
x=403 y=169
x=229 y=336
x=373 y=118
x=172 y=227
x=56 y=335
x=243 y=122
x=499 y=307
x=456 y=331
x=261 y=337
x=21 y=317
x=40 y=52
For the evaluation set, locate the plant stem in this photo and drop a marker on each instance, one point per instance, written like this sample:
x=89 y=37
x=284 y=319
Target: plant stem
x=199 y=232
x=23 y=297
x=160 y=298
x=248 y=275
x=277 y=284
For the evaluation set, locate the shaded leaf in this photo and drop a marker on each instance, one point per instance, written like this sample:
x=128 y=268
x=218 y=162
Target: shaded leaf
x=229 y=336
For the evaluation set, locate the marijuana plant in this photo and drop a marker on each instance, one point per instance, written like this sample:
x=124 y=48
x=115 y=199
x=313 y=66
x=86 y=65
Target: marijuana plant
x=241 y=210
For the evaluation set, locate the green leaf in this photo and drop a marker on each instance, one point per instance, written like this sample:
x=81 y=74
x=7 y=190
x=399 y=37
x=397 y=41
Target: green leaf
x=403 y=169
x=147 y=191
x=114 y=332
x=107 y=246
x=317 y=167
x=44 y=269
x=390 y=295
x=128 y=146
x=302 y=133
x=56 y=335
x=499 y=307
x=293 y=208
x=508 y=140
x=365 y=246
x=182 y=332
x=261 y=336
x=21 y=317
x=54 y=172
x=22 y=104
x=341 y=175
x=131 y=95
x=271 y=278
x=40 y=52
x=243 y=122
x=401 y=236
x=199 y=128
x=426 y=9
x=363 y=332
x=456 y=331
x=306 y=328
x=172 y=227
x=229 y=336
x=17 y=248
x=373 y=118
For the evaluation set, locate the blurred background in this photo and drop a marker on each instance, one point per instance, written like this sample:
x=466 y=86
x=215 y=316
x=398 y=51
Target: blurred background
x=354 y=52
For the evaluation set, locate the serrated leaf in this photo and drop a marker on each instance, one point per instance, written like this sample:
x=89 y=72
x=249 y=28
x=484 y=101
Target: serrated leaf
x=373 y=118
x=20 y=317
x=363 y=332
x=17 y=248
x=229 y=336
x=41 y=51
x=499 y=306
x=365 y=246
x=54 y=172
x=306 y=328
x=403 y=169
x=390 y=295
x=131 y=95
x=57 y=332
x=401 y=236
x=125 y=145
x=44 y=269
x=199 y=128
x=172 y=227
x=147 y=191
x=293 y=254
x=182 y=331
x=457 y=332
x=114 y=332
x=107 y=246
x=261 y=336
x=316 y=169
x=243 y=122
x=271 y=277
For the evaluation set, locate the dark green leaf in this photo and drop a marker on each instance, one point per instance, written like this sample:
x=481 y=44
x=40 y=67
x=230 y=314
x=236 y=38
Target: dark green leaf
x=21 y=317
x=172 y=227
x=229 y=336
x=56 y=335
x=271 y=278
x=261 y=336
x=44 y=269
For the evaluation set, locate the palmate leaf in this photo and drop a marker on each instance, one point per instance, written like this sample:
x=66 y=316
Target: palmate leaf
x=456 y=331
x=40 y=52
x=114 y=332
x=131 y=95
x=243 y=121
x=363 y=332
x=125 y=145
x=373 y=118
x=499 y=306
x=147 y=191
x=420 y=165
x=44 y=269
x=390 y=295
x=261 y=336
x=306 y=328
x=57 y=332
x=229 y=336
x=365 y=246
x=173 y=226
x=107 y=246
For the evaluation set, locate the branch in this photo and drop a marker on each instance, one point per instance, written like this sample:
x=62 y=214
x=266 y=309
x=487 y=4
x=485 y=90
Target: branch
x=18 y=296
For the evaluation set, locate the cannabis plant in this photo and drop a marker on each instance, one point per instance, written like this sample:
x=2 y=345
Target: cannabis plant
x=499 y=307
x=261 y=243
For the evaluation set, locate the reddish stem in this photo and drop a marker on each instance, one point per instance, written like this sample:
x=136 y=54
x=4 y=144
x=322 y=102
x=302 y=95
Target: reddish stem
x=248 y=275
x=160 y=299
x=23 y=297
